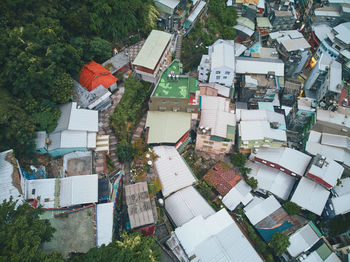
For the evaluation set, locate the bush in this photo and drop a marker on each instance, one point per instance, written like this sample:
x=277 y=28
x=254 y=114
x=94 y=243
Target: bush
x=252 y=182
x=291 y=208
x=279 y=243
x=238 y=160
x=124 y=151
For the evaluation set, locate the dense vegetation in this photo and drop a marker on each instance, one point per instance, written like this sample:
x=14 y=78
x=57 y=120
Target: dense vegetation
x=279 y=243
x=218 y=24
x=130 y=248
x=22 y=232
x=291 y=208
x=338 y=225
x=43 y=45
x=127 y=115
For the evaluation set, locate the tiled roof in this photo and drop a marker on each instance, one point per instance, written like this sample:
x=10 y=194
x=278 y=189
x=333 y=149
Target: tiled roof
x=222 y=177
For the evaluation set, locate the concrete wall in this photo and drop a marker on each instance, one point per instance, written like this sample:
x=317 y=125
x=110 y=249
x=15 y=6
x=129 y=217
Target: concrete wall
x=203 y=143
x=171 y=104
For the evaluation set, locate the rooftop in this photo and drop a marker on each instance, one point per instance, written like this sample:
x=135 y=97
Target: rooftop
x=139 y=205
x=222 y=177
x=152 y=49
x=240 y=193
x=185 y=204
x=315 y=199
x=173 y=84
x=167 y=127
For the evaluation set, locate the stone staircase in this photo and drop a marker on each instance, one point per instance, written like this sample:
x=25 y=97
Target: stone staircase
x=179 y=46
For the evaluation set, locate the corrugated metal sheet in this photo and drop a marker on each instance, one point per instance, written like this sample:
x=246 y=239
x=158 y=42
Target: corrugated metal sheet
x=302 y=240
x=260 y=66
x=173 y=172
x=104 y=217
x=152 y=49
x=238 y=194
x=217 y=238
x=315 y=199
x=223 y=55
x=186 y=204
x=260 y=208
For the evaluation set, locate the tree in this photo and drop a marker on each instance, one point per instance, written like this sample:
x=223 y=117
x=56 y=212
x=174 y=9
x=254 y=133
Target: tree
x=252 y=182
x=124 y=151
x=22 y=232
x=61 y=90
x=229 y=33
x=130 y=248
x=100 y=50
x=279 y=243
x=291 y=208
x=238 y=159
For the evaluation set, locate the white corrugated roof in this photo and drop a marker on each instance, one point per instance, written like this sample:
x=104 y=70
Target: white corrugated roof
x=91 y=139
x=40 y=140
x=330 y=171
x=316 y=196
x=295 y=44
x=315 y=257
x=77 y=190
x=173 y=172
x=335 y=77
x=302 y=240
x=344 y=188
x=260 y=66
x=104 y=221
x=288 y=34
x=272 y=180
x=7 y=187
x=223 y=54
x=291 y=159
x=193 y=16
x=343 y=31
x=186 y=204
x=217 y=238
x=238 y=194
x=215 y=115
x=258 y=130
x=260 y=208
x=341 y=204
x=321 y=31
x=170 y=3
x=73 y=118
x=336 y=117
x=244 y=29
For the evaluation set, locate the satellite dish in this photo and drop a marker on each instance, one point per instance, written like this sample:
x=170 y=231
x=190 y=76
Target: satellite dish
x=149 y=162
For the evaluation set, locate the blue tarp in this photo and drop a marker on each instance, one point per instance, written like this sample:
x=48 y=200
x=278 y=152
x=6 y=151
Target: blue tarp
x=267 y=234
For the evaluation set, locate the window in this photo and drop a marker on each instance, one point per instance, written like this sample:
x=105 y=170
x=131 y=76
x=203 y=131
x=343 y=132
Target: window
x=272 y=165
x=227 y=73
x=225 y=77
x=176 y=102
x=201 y=67
x=264 y=161
x=225 y=144
x=211 y=142
x=217 y=77
x=217 y=72
x=163 y=101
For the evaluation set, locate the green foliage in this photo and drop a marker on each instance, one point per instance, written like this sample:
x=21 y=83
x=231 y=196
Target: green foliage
x=252 y=182
x=279 y=243
x=204 y=189
x=130 y=248
x=238 y=160
x=291 y=208
x=124 y=151
x=22 y=232
x=45 y=43
x=130 y=108
x=338 y=224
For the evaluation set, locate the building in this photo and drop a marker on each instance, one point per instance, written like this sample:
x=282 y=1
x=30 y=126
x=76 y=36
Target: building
x=217 y=127
x=271 y=126
x=281 y=19
x=324 y=171
x=323 y=253
x=140 y=211
x=166 y=127
x=214 y=89
x=271 y=180
x=173 y=172
x=315 y=199
x=264 y=26
x=269 y=217
x=198 y=9
x=154 y=56
x=93 y=75
x=12 y=184
x=104 y=221
x=245 y=28
x=168 y=13
x=186 y=204
x=287 y=160
x=76 y=131
x=118 y=63
x=175 y=92
x=98 y=99
x=341 y=199
x=216 y=238
x=239 y=195
x=222 y=178
x=302 y=240
x=259 y=66
x=219 y=65
x=62 y=192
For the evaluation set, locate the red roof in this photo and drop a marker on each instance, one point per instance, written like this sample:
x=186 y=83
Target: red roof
x=222 y=177
x=92 y=75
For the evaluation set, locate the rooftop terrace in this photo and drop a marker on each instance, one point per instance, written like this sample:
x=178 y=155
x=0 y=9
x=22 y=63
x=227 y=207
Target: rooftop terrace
x=173 y=84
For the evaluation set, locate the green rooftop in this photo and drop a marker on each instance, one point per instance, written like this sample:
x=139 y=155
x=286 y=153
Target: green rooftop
x=323 y=251
x=180 y=88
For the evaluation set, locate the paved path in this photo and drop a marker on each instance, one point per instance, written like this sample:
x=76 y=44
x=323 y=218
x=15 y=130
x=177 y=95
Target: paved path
x=105 y=129
x=179 y=46
x=139 y=129
x=133 y=50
